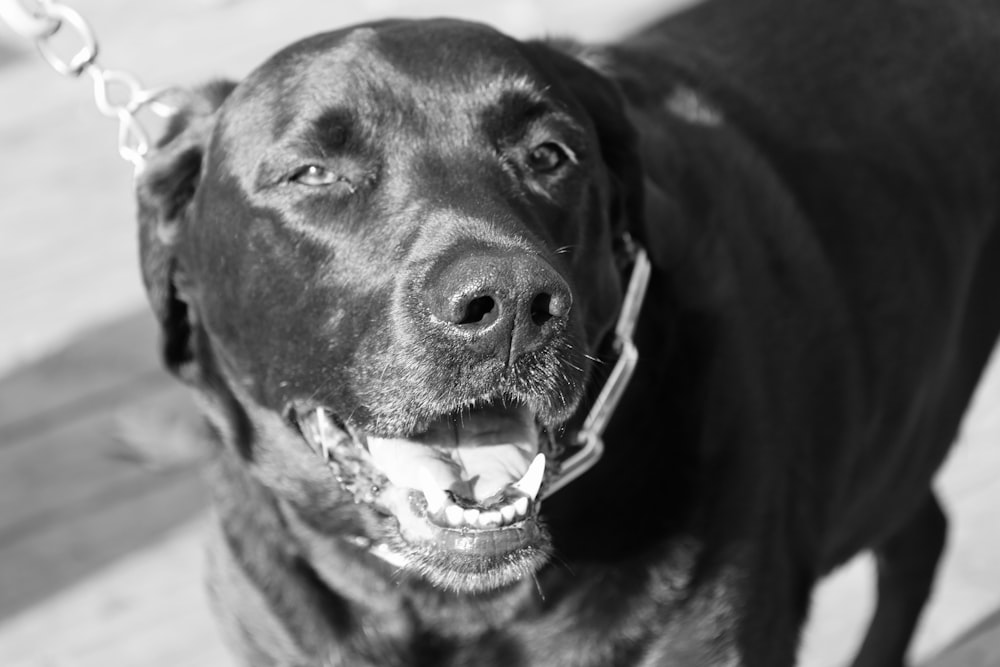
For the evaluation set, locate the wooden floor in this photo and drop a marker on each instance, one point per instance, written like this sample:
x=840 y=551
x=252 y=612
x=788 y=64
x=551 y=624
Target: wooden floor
x=102 y=510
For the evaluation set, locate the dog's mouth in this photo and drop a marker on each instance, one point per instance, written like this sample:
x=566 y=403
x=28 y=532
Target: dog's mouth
x=460 y=499
x=464 y=493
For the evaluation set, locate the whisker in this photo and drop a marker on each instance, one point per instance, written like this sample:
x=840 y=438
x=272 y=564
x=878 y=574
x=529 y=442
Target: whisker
x=562 y=563
x=538 y=586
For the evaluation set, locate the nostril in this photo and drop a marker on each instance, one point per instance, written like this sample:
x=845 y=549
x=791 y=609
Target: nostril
x=479 y=311
x=541 y=311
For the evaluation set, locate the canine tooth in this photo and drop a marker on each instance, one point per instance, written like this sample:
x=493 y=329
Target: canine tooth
x=434 y=494
x=490 y=518
x=435 y=500
x=521 y=506
x=508 y=512
x=454 y=514
x=532 y=480
x=323 y=426
x=471 y=516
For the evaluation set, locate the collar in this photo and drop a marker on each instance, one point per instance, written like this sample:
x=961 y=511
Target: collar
x=589 y=445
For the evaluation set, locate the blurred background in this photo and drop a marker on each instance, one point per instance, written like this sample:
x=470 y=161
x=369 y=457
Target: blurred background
x=101 y=506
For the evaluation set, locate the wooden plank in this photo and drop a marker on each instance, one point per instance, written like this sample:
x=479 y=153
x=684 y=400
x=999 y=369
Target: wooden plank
x=980 y=647
x=147 y=609
x=60 y=472
x=104 y=365
x=60 y=554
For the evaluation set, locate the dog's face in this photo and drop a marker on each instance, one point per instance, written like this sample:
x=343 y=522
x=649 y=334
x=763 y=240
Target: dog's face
x=388 y=259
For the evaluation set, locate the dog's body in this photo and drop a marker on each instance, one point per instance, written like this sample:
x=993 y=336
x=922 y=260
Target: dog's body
x=410 y=224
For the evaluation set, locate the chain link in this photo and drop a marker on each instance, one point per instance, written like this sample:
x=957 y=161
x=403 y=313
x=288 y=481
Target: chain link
x=117 y=94
x=24 y=21
x=64 y=16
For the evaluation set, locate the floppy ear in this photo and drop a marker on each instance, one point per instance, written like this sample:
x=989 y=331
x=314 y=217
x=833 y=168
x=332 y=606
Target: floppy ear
x=165 y=189
x=571 y=67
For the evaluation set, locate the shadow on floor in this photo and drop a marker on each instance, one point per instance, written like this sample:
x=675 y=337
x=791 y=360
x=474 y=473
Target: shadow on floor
x=97 y=458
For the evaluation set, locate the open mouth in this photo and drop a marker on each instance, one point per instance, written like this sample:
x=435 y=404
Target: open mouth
x=464 y=493
x=461 y=498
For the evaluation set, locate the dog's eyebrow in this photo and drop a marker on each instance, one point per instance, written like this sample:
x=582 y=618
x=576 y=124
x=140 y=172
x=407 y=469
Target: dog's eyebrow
x=514 y=110
x=332 y=131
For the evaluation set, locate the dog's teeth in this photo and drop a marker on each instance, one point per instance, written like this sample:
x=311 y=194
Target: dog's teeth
x=508 y=512
x=436 y=497
x=454 y=514
x=324 y=426
x=532 y=480
x=490 y=518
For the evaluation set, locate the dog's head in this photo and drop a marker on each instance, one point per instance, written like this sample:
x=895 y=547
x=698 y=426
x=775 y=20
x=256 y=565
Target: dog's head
x=388 y=259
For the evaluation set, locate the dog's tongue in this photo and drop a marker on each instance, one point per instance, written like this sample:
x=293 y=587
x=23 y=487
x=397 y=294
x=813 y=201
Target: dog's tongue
x=475 y=455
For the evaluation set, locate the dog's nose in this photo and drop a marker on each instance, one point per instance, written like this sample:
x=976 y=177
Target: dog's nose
x=501 y=304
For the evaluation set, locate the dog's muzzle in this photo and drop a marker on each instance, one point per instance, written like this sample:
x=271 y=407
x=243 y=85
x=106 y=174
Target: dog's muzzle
x=465 y=494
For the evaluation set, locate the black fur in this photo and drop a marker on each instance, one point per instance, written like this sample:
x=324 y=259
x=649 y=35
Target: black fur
x=815 y=183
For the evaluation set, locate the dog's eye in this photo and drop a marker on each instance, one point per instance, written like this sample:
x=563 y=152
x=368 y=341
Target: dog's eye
x=547 y=157
x=314 y=176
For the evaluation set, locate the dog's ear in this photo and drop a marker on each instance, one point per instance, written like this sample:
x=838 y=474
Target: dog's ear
x=572 y=67
x=165 y=189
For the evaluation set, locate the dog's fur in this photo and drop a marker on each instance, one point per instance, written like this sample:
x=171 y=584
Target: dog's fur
x=817 y=186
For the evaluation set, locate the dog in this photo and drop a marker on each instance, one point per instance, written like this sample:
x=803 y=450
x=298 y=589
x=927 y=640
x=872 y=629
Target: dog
x=392 y=262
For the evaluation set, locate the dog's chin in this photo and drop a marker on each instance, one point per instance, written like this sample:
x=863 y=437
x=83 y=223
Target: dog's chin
x=458 y=503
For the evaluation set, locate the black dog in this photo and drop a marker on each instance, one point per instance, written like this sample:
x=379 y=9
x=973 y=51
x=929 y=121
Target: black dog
x=390 y=262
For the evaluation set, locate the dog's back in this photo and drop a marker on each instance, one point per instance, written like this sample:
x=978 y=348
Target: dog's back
x=834 y=169
x=875 y=126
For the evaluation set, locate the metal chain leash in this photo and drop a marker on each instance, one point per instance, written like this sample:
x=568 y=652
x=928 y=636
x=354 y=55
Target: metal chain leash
x=117 y=94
